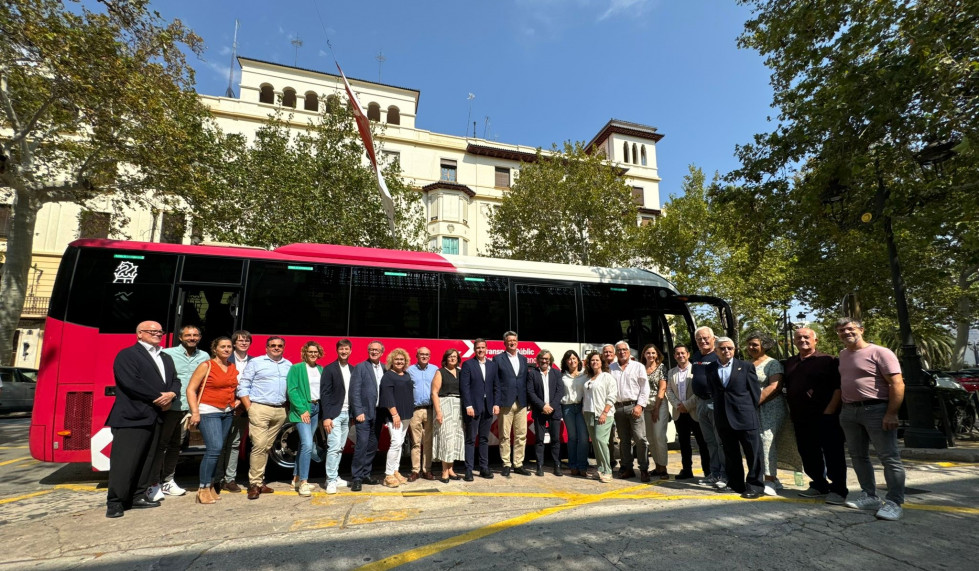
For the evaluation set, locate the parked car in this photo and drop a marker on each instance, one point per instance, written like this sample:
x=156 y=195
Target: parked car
x=17 y=392
x=968 y=378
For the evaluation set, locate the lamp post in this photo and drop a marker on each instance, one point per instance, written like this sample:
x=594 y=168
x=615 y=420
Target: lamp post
x=974 y=345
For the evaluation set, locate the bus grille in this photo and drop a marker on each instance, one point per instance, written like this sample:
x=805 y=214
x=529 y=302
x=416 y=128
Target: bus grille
x=78 y=419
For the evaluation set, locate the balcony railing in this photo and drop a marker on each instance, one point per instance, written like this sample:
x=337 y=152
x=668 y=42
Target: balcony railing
x=35 y=306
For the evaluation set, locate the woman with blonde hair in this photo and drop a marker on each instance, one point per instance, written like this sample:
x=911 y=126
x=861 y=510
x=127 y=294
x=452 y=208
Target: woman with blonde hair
x=303 y=390
x=397 y=398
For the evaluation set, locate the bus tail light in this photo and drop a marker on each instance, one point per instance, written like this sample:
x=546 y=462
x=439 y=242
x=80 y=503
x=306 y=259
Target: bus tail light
x=64 y=433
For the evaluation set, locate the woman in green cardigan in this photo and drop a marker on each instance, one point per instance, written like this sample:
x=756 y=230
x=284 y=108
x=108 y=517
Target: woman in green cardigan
x=302 y=381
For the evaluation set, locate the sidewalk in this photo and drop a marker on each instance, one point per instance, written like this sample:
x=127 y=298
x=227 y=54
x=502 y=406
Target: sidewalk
x=963 y=451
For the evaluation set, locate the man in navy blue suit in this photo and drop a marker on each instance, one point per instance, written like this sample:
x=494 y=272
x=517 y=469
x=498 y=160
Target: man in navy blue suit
x=365 y=381
x=511 y=396
x=477 y=386
x=736 y=394
x=545 y=391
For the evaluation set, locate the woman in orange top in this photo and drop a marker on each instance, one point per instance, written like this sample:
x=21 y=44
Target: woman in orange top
x=212 y=409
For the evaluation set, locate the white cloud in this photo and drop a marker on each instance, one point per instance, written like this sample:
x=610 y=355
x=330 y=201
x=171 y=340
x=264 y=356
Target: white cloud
x=615 y=7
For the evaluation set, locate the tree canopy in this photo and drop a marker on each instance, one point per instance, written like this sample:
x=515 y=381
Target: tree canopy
x=96 y=99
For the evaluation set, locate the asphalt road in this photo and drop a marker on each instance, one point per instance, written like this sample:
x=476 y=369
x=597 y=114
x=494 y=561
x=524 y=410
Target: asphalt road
x=53 y=517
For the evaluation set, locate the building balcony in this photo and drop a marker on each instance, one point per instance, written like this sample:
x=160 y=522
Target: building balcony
x=35 y=306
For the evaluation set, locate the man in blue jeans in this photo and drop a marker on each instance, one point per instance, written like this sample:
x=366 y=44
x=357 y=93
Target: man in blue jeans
x=872 y=389
x=335 y=411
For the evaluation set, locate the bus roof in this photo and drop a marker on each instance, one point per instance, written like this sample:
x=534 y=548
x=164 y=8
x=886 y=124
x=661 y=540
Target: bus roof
x=354 y=255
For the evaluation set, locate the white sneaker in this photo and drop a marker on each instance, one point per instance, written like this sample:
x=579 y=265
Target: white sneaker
x=890 y=511
x=341 y=483
x=865 y=502
x=304 y=490
x=154 y=493
x=707 y=482
x=172 y=489
x=331 y=488
x=770 y=489
x=720 y=484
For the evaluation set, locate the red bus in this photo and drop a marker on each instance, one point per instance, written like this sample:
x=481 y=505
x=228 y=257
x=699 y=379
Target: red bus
x=104 y=288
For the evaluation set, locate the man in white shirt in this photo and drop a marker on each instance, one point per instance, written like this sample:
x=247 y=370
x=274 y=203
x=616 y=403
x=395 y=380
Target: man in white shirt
x=511 y=397
x=684 y=404
x=633 y=393
x=334 y=386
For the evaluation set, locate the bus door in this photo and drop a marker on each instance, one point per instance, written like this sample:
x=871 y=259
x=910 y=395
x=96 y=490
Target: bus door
x=208 y=296
x=721 y=311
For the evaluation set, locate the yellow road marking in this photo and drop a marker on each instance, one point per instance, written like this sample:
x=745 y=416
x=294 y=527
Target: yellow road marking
x=24 y=497
x=14 y=447
x=15 y=460
x=946 y=509
x=396 y=515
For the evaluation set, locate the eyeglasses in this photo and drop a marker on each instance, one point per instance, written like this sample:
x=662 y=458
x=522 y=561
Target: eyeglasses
x=725 y=348
x=152 y=331
x=276 y=345
x=424 y=355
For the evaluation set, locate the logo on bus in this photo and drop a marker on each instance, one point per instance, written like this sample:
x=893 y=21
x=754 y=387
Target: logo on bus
x=125 y=273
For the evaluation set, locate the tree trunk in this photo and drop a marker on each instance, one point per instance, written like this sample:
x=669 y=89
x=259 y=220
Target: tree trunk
x=965 y=317
x=17 y=263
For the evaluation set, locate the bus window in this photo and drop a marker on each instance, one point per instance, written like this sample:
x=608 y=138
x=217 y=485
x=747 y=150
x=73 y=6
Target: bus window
x=394 y=303
x=212 y=270
x=473 y=306
x=547 y=313
x=609 y=312
x=115 y=290
x=296 y=298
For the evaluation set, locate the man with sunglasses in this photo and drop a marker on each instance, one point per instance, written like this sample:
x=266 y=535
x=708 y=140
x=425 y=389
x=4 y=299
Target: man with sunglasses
x=262 y=390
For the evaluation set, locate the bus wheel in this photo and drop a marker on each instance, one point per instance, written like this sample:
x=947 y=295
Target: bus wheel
x=285 y=447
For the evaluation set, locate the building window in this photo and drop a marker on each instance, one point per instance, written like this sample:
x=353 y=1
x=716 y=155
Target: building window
x=6 y=219
x=390 y=157
x=311 y=102
x=93 y=224
x=625 y=152
x=373 y=111
x=394 y=115
x=635 y=154
x=643 y=151
x=448 y=171
x=637 y=196
x=502 y=177
x=173 y=228
x=289 y=97
x=450 y=245
x=333 y=103
x=266 y=94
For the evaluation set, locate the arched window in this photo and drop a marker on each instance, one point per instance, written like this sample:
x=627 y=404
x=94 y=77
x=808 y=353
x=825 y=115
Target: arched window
x=373 y=111
x=289 y=97
x=394 y=116
x=625 y=152
x=266 y=94
x=643 y=150
x=635 y=154
x=312 y=102
x=333 y=102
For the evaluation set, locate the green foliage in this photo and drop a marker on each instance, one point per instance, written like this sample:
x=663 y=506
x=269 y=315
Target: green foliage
x=311 y=186
x=871 y=96
x=571 y=208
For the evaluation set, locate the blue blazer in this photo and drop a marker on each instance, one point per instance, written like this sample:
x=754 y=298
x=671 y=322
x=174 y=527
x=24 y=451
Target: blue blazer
x=511 y=387
x=363 y=391
x=736 y=406
x=555 y=391
x=332 y=390
x=476 y=391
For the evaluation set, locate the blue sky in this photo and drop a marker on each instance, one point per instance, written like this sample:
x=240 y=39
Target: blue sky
x=543 y=71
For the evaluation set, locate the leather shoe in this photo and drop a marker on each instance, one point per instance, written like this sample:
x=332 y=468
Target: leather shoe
x=643 y=475
x=486 y=474
x=253 y=492
x=370 y=481
x=231 y=487
x=444 y=480
x=557 y=471
x=469 y=477
x=115 y=510
x=428 y=476
x=455 y=477
x=522 y=471
x=627 y=473
x=506 y=472
x=540 y=471
x=356 y=485
x=413 y=477
x=750 y=495
x=266 y=490
x=575 y=472
x=144 y=502
x=684 y=475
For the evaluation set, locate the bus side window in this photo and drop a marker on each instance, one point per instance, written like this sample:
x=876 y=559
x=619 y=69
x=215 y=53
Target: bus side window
x=296 y=299
x=609 y=312
x=394 y=303
x=473 y=306
x=547 y=313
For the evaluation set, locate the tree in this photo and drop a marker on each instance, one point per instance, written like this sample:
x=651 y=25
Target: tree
x=312 y=186
x=878 y=115
x=91 y=104
x=573 y=208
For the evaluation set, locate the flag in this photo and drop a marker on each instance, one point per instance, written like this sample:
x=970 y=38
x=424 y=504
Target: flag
x=364 y=126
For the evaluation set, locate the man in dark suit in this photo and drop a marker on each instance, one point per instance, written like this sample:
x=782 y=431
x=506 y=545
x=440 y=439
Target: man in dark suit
x=333 y=406
x=477 y=387
x=511 y=396
x=545 y=391
x=365 y=382
x=736 y=395
x=146 y=384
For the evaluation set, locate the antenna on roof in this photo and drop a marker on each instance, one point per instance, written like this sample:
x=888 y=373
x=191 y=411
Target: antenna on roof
x=297 y=42
x=470 y=99
x=231 y=69
x=485 y=126
x=380 y=61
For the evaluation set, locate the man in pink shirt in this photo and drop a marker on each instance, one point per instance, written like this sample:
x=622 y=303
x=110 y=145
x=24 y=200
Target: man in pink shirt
x=872 y=389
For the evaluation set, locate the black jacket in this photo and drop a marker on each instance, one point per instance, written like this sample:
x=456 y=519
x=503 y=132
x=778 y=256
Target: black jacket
x=138 y=384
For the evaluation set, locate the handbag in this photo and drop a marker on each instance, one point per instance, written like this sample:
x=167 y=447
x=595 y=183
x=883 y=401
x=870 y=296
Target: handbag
x=200 y=395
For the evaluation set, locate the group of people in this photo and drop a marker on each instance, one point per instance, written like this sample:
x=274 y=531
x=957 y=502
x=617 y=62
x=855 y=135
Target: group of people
x=728 y=405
